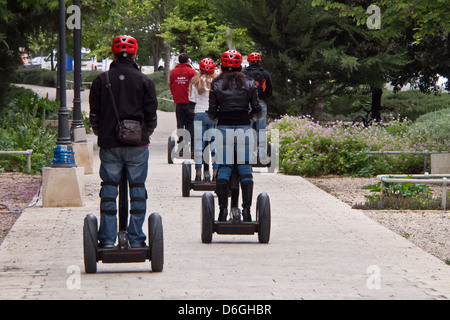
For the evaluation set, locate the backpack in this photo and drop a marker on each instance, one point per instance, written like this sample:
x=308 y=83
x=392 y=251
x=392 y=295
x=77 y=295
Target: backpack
x=257 y=75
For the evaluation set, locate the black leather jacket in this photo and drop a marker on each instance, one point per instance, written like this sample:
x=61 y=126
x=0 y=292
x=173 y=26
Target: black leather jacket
x=135 y=97
x=236 y=106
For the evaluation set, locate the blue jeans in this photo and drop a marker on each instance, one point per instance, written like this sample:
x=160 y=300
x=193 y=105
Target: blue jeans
x=234 y=146
x=260 y=127
x=243 y=170
x=135 y=161
x=203 y=123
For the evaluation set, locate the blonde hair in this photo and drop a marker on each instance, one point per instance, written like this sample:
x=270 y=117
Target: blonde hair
x=200 y=81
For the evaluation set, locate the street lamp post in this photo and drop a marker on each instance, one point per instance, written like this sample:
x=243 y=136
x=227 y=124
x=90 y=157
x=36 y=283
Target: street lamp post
x=63 y=156
x=62 y=182
x=78 y=130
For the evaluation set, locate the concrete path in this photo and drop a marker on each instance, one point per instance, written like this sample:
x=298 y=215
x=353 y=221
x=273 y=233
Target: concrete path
x=320 y=248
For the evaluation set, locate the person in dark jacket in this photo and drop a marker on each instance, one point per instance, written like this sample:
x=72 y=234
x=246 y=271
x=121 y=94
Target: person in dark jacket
x=135 y=98
x=264 y=84
x=234 y=104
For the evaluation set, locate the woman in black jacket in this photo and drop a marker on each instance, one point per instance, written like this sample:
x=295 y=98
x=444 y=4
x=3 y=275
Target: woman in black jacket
x=234 y=104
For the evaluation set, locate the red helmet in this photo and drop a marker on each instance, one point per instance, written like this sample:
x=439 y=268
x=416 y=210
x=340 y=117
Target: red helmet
x=207 y=66
x=126 y=44
x=252 y=57
x=231 y=58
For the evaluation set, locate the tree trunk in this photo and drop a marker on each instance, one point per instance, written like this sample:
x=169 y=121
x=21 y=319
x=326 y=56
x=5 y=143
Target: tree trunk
x=156 y=54
x=166 y=64
x=377 y=93
x=53 y=68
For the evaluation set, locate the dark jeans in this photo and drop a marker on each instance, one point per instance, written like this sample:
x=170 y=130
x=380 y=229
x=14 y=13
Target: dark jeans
x=113 y=161
x=185 y=113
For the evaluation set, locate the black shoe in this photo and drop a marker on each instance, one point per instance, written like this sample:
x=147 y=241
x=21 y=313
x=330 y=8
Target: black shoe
x=246 y=216
x=223 y=214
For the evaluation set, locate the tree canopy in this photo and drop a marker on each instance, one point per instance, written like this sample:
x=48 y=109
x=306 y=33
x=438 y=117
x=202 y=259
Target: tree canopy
x=312 y=48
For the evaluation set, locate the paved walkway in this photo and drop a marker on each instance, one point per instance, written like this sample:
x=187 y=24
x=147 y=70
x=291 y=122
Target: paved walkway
x=320 y=248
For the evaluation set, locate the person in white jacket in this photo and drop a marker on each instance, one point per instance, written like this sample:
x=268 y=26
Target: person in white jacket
x=199 y=88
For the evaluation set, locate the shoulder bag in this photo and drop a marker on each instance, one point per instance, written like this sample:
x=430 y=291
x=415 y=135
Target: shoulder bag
x=127 y=131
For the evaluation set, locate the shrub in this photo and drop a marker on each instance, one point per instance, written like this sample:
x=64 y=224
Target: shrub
x=399 y=196
x=434 y=127
x=412 y=104
x=21 y=128
x=310 y=149
x=39 y=77
x=307 y=148
x=409 y=104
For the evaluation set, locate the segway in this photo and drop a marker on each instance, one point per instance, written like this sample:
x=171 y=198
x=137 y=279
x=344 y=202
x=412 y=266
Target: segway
x=187 y=184
x=235 y=225
x=170 y=147
x=205 y=184
x=123 y=253
x=174 y=150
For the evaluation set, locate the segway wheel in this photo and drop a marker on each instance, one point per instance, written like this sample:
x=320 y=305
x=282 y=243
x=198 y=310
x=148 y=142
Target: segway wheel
x=263 y=217
x=271 y=153
x=90 y=240
x=170 y=148
x=156 y=242
x=207 y=217
x=186 y=178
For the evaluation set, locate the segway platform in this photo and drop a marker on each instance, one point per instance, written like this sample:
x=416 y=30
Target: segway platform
x=123 y=252
x=234 y=225
x=187 y=184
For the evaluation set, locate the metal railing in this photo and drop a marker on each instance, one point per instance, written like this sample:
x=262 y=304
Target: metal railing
x=164 y=99
x=28 y=153
x=420 y=179
x=83 y=84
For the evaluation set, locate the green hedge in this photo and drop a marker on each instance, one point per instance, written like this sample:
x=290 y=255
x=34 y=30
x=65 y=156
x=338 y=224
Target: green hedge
x=21 y=128
x=405 y=104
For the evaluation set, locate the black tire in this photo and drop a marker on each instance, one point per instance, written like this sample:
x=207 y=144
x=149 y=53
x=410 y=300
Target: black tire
x=170 y=149
x=186 y=178
x=263 y=217
x=90 y=241
x=207 y=217
x=272 y=154
x=156 y=242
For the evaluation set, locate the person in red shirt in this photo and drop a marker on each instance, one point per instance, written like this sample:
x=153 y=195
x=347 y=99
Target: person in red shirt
x=180 y=77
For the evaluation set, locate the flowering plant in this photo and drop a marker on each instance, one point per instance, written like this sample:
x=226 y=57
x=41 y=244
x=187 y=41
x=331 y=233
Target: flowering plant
x=311 y=149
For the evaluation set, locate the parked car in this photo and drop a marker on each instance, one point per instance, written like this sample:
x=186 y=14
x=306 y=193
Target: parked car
x=36 y=62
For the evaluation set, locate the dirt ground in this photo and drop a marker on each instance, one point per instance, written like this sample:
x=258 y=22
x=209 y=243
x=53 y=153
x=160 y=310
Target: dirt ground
x=429 y=230
x=17 y=191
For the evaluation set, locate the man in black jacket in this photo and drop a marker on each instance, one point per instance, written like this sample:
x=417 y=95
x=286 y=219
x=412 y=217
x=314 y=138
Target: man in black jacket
x=264 y=83
x=135 y=98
